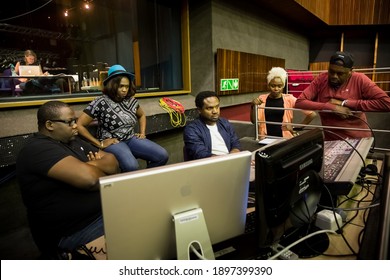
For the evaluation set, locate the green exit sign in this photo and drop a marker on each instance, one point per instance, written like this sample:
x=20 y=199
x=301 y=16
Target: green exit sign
x=229 y=84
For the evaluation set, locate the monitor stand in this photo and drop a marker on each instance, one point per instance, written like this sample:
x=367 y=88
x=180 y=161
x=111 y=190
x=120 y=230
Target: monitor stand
x=309 y=248
x=191 y=229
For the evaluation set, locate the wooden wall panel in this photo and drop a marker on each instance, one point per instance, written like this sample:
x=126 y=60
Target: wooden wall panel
x=349 y=12
x=320 y=8
x=319 y=66
x=250 y=69
x=382 y=15
x=383 y=80
x=352 y=12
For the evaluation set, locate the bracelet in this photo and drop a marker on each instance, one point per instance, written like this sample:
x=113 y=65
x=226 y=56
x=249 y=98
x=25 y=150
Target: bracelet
x=101 y=144
x=344 y=103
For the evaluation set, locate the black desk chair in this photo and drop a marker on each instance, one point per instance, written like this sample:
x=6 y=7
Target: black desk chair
x=9 y=84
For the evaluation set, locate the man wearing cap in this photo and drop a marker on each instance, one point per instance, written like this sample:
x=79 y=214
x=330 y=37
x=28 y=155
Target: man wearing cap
x=341 y=96
x=118 y=114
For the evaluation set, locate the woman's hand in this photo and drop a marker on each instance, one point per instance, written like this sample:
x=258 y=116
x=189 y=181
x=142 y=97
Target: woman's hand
x=257 y=101
x=291 y=129
x=140 y=135
x=108 y=142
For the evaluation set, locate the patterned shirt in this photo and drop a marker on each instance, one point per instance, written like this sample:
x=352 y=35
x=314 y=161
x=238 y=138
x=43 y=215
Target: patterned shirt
x=116 y=119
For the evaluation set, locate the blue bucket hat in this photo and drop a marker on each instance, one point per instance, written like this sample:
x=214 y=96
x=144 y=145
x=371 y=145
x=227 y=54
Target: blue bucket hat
x=118 y=70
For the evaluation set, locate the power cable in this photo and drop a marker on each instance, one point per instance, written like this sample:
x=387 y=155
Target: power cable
x=175 y=110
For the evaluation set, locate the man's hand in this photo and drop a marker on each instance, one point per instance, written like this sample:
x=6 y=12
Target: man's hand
x=93 y=156
x=342 y=112
x=335 y=101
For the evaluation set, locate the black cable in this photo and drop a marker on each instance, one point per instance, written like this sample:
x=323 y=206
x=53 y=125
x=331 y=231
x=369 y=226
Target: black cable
x=372 y=132
x=29 y=12
x=87 y=251
x=338 y=226
x=352 y=146
x=95 y=250
x=366 y=123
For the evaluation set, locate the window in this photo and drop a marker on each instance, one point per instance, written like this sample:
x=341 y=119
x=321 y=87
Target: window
x=147 y=37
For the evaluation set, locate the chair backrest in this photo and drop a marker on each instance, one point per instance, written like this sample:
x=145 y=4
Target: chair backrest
x=7 y=82
x=185 y=154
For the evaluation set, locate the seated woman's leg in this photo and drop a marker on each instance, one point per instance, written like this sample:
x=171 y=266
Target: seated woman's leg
x=145 y=149
x=62 y=83
x=127 y=161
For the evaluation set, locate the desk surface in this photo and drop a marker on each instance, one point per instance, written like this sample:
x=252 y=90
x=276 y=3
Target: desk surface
x=244 y=246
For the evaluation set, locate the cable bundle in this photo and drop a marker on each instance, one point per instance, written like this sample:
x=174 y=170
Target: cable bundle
x=175 y=110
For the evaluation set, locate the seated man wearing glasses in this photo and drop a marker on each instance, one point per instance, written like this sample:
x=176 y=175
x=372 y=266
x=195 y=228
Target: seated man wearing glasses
x=58 y=175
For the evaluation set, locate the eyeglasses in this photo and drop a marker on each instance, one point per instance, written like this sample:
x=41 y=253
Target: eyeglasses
x=72 y=122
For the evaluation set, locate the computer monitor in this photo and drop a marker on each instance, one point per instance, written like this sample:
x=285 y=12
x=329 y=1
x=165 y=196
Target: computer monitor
x=139 y=207
x=287 y=186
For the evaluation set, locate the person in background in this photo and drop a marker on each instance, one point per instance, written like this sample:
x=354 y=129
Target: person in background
x=118 y=113
x=345 y=94
x=30 y=58
x=209 y=135
x=38 y=85
x=58 y=174
x=276 y=81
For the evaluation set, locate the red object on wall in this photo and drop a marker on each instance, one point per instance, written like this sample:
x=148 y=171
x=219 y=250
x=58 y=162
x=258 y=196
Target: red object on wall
x=238 y=112
x=298 y=80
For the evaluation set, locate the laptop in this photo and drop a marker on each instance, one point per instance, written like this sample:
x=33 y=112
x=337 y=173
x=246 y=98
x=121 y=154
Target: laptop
x=30 y=70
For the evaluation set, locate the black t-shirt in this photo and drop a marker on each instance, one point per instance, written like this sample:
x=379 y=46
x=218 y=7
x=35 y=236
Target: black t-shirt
x=55 y=209
x=274 y=116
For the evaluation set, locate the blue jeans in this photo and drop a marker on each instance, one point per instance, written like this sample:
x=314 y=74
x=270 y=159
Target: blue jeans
x=127 y=152
x=91 y=232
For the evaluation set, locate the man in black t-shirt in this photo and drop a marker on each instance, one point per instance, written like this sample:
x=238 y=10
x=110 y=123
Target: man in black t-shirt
x=58 y=175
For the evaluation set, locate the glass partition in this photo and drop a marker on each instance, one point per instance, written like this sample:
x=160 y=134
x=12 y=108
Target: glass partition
x=77 y=40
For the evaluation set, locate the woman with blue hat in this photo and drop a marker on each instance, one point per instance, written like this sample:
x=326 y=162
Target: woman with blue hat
x=118 y=113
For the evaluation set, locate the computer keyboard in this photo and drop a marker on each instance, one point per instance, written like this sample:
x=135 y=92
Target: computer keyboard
x=336 y=154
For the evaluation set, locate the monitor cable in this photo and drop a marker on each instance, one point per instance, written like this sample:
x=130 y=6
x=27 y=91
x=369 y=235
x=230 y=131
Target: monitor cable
x=346 y=141
x=199 y=255
x=356 y=117
x=338 y=225
x=299 y=241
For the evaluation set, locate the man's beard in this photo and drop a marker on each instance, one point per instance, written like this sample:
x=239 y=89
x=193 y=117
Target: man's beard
x=334 y=84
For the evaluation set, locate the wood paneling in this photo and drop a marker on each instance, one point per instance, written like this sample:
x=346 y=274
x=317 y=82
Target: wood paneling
x=349 y=12
x=352 y=12
x=320 y=8
x=383 y=80
x=250 y=69
x=319 y=66
x=382 y=14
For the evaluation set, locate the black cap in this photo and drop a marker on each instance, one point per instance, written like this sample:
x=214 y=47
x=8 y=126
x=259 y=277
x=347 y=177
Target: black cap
x=344 y=59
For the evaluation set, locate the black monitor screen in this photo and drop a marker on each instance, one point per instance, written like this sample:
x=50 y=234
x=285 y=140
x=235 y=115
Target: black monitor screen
x=288 y=187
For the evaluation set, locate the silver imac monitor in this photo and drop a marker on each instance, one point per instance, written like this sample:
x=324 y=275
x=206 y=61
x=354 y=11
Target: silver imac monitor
x=140 y=207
